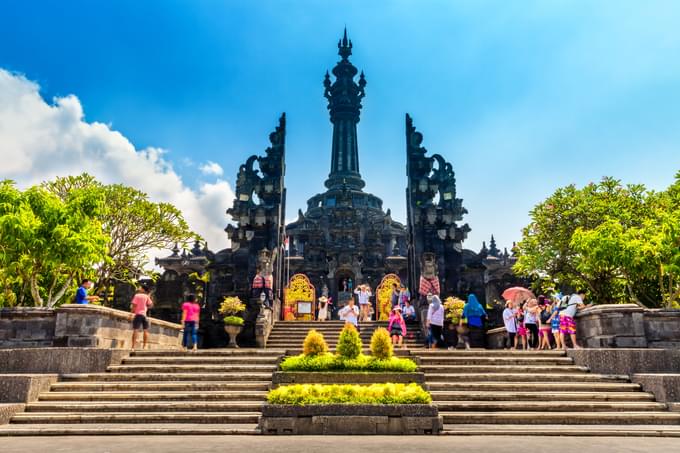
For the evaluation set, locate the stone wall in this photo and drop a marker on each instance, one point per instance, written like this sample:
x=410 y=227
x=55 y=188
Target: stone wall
x=59 y=360
x=26 y=327
x=665 y=387
x=662 y=328
x=24 y=388
x=79 y=326
x=627 y=360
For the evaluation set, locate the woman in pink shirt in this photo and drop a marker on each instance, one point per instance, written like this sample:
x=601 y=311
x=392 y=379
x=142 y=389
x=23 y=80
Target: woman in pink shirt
x=397 y=327
x=191 y=313
x=139 y=305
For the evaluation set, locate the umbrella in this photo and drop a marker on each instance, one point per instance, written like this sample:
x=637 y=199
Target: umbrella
x=517 y=293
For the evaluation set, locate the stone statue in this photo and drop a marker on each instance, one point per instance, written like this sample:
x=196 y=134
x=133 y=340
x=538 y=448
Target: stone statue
x=429 y=278
x=263 y=283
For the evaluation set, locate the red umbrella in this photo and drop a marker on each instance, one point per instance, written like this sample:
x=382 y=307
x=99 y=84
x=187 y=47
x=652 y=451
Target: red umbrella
x=517 y=293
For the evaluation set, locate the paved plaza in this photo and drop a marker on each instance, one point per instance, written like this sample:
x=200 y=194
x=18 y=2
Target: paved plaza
x=373 y=444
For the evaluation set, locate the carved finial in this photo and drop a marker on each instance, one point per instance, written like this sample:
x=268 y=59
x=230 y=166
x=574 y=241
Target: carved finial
x=345 y=46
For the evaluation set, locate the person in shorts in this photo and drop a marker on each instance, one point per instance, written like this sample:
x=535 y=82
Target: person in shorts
x=140 y=304
x=567 y=323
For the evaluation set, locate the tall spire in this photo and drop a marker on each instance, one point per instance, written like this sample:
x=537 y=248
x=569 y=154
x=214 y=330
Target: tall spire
x=344 y=104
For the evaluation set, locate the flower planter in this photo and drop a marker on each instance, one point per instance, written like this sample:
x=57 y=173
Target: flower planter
x=232 y=331
x=344 y=419
x=345 y=377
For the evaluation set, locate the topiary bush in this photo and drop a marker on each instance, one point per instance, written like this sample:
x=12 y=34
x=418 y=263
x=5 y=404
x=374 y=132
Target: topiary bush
x=381 y=344
x=314 y=344
x=361 y=363
x=349 y=342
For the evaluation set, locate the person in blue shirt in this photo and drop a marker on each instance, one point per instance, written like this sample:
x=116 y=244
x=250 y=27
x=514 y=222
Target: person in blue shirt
x=474 y=314
x=81 y=295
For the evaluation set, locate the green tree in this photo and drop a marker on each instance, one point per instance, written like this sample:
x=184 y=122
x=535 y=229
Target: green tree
x=46 y=243
x=134 y=224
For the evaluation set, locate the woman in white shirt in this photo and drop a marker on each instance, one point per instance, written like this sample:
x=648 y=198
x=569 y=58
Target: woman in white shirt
x=435 y=321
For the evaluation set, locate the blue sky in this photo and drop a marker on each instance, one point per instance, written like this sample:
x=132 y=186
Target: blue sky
x=522 y=97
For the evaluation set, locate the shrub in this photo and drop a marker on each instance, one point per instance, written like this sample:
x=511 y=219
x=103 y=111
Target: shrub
x=231 y=307
x=349 y=342
x=314 y=344
x=233 y=321
x=303 y=394
x=361 y=363
x=381 y=345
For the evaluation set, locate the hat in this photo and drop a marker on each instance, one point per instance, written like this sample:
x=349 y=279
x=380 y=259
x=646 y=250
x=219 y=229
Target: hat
x=323 y=299
x=396 y=307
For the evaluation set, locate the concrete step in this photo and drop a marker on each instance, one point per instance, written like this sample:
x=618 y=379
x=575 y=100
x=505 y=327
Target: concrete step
x=141 y=418
x=572 y=418
x=138 y=396
x=120 y=429
x=489 y=353
x=546 y=395
x=194 y=368
x=428 y=360
x=545 y=407
x=240 y=352
x=201 y=360
x=538 y=387
x=563 y=430
x=524 y=377
x=456 y=369
x=178 y=386
x=89 y=407
x=127 y=377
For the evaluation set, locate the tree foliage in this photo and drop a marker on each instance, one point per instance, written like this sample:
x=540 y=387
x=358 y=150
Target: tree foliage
x=622 y=243
x=46 y=243
x=134 y=224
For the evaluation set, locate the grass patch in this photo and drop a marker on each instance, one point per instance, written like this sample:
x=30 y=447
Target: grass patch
x=332 y=362
x=306 y=394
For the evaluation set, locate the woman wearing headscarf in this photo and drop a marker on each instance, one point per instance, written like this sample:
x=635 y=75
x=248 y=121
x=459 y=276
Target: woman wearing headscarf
x=474 y=314
x=435 y=321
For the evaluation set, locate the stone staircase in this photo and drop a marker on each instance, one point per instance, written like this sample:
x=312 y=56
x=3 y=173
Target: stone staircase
x=537 y=393
x=290 y=335
x=157 y=392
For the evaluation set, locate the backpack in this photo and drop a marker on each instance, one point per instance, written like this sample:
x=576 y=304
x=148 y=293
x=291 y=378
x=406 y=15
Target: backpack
x=564 y=302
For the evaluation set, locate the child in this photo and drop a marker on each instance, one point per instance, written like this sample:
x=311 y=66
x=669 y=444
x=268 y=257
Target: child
x=510 y=322
x=555 y=323
x=191 y=313
x=521 y=329
x=397 y=327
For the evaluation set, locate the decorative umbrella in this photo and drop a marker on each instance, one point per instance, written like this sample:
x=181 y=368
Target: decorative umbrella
x=517 y=294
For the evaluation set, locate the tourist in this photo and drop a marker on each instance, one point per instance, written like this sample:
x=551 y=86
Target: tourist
x=395 y=294
x=435 y=321
x=555 y=323
x=363 y=293
x=474 y=314
x=323 y=309
x=191 y=313
x=409 y=312
x=544 y=326
x=397 y=327
x=349 y=313
x=531 y=322
x=510 y=321
x=567 y=323
x=81 y=294
x=521 y=329
x=139 y=305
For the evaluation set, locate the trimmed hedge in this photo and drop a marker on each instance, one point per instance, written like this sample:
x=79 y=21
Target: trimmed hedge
x=331 y=362
x=314 y=344
x=349 y=343
x=305 y=394
x=381 y=344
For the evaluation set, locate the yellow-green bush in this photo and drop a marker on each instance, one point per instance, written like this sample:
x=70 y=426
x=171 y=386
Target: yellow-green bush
x=331 y=362
x=314 y=344
x=349 y=342
x=381 y=344
x=303 y=394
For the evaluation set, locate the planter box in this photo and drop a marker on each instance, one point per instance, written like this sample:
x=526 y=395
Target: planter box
x=344 y=377
x=344 y=419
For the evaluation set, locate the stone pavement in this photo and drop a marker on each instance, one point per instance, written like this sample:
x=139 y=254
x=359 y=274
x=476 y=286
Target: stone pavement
x=311 y=444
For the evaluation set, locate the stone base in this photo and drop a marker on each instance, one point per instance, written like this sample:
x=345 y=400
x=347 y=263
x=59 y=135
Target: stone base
x=344 y=377
x=7 y=411
x=59 y=360
x=627 y=360
x=24 y=388
x=350 y=419
x=665 y=387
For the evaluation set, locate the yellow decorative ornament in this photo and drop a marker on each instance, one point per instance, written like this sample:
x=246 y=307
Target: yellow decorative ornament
x=384 y=295
x=299 y=299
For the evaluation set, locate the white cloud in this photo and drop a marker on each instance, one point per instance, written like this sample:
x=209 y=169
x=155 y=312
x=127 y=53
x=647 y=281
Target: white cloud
x=39 y=141
x=211 y=169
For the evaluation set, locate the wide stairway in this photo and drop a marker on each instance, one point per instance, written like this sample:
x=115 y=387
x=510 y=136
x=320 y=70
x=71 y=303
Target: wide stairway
x=537 y=392
x=290 y=335
x=157 y=392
